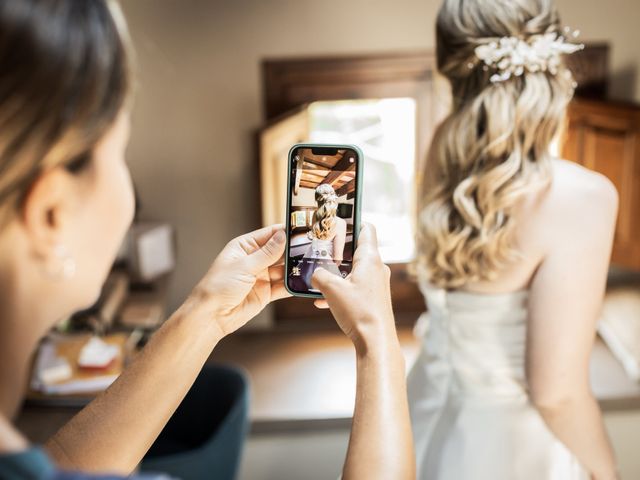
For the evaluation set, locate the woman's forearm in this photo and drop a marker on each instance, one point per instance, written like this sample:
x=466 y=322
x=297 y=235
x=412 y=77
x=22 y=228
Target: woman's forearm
x=381 y=443
x=577 y=422
x=114 y=431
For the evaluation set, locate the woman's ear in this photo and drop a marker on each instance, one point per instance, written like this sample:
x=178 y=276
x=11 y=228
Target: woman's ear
x=45 y=214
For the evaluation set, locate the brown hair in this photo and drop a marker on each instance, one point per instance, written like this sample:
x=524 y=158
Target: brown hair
x=494 y=146
x=64 y=77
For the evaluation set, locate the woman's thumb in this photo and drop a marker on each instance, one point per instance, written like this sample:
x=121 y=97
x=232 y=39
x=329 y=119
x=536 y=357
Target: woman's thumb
x=326 y=281
x=268 y=254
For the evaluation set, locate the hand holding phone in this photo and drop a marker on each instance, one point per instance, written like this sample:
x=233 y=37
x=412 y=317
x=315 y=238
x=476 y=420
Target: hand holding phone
x=361 y=303
x=323 y=213
x=245 y=276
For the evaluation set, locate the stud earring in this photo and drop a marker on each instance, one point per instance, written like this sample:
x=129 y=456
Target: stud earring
x=65 y=264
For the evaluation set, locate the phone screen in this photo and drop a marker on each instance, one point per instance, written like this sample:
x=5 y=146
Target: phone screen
x=323 y=213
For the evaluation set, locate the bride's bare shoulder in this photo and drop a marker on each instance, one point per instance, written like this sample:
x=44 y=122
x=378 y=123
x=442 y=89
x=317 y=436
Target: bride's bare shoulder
x=578 y=199
x=576 y=187
x=579 y=207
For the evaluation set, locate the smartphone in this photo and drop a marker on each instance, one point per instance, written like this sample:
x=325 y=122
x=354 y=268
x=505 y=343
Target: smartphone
x=323 y=213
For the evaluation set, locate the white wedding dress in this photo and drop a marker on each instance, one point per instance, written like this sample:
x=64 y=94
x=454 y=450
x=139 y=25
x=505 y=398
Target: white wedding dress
x=320 y=249
x=470 y=412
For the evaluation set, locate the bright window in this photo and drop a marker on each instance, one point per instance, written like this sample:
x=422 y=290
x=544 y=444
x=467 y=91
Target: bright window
x=385 y=130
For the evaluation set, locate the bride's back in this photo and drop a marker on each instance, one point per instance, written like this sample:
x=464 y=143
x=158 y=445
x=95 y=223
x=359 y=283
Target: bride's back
x=577 y=205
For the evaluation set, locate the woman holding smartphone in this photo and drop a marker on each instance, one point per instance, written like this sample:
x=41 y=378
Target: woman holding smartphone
x=65 y=203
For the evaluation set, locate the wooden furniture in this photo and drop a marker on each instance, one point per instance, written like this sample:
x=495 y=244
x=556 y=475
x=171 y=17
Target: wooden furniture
x=590 y=69
x=294 y=82
x=605 y=137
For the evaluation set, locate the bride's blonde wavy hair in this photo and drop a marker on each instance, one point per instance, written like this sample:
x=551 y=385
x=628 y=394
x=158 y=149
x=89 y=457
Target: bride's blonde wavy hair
x=492 y=148
x=324 y=218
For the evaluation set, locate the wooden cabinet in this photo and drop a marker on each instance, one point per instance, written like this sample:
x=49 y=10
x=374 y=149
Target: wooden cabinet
x=605 y=137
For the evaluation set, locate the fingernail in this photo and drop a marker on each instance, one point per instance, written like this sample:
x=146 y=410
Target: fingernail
x=316 y=274
x=319 y=271
x=279 y=237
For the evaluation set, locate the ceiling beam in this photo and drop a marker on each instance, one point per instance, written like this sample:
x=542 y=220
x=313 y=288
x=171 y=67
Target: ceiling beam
x=342 y=166
x=347 y=188
x=316 y=173
x=319 y=163
x=315 y=180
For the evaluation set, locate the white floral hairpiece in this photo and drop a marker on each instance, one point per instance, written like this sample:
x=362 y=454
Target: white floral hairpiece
x=510 y=56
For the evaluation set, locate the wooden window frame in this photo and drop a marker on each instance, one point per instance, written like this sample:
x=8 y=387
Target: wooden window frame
x=291 y=83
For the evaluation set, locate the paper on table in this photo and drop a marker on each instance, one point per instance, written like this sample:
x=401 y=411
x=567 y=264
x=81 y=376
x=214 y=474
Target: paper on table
x=97 y=354
x=81 y=382
x=78 y=386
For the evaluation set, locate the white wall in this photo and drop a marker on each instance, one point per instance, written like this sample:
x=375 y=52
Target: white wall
x=199 y=101
x=306 y=197
x=615 y=21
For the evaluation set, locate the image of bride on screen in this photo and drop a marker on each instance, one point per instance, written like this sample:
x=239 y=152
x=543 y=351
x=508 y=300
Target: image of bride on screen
x=323 y=196
x=328 y=231
x=324 y=242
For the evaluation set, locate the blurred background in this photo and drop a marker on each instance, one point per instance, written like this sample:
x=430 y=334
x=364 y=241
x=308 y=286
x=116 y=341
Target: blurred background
x=201 y=97
x=195 y=158
x=226 y=86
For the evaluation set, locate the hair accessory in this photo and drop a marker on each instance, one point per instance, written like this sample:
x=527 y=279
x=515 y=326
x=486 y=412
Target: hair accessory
x=511 y=56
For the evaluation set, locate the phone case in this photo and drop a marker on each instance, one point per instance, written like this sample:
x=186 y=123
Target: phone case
x=357 y=203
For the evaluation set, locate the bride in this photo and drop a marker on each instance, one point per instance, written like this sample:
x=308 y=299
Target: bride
x=514 y=247
x=328 y=235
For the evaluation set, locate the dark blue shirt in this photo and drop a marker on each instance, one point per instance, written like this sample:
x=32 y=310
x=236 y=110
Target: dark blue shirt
x=34 y=464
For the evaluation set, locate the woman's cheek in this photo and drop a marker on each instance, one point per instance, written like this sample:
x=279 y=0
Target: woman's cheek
x=129 y=199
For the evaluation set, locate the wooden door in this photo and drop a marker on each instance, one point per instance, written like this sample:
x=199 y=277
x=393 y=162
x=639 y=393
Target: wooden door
x=275 y=139
x=604 y=137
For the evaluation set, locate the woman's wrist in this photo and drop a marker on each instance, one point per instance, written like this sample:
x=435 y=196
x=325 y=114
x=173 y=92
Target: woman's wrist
x=376 y=338
x=382 y=353
x=201 y=314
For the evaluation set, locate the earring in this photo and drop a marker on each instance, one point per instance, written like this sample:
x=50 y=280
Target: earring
x=65 y=264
